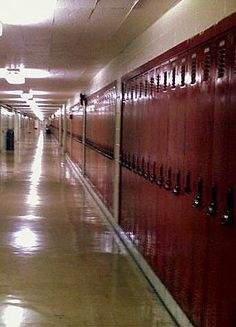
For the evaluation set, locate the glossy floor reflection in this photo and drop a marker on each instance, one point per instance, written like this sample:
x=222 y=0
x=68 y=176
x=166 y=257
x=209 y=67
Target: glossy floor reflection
x=60 y=263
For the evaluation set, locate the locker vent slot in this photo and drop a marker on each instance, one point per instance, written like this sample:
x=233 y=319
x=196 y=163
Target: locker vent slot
x=234 y=69
x=165 y=81
x=132 y=91
x=151 y=85
x=173 y=77
x=140 y=89
x=158 y=83
x=136 y=89
x=126 y=92
x=183 y=69
x=221 y=62
x=193 y=70
x=206 y=65
x=146 y=88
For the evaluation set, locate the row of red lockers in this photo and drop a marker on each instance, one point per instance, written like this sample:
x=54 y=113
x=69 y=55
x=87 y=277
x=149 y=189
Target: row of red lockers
x=177 y=171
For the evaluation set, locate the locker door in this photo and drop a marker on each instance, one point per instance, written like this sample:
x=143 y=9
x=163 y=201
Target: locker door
x=160 y=136
x=170 y=202
x=221 y=285
x=127 y=182
x=179 y=276
x=141 y=135
x=228 y=303
x=216 y=241
x=125 y=112
x=198 y=148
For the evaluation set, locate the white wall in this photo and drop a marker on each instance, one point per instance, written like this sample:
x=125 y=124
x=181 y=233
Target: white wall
x=183 y=21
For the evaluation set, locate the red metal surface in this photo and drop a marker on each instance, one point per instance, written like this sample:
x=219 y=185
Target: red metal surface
x=221 y=265
x=77 y=135
x=100 y=129
x=100 y=119
x=99 y=170
x=77 y=152
x=185 y=122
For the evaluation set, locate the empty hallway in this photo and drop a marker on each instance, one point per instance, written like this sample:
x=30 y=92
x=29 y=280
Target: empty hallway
x=61 y=263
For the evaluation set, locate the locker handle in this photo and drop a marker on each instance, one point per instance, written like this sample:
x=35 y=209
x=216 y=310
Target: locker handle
x=130 y=166
x=153 y=174
x=176 y=189
x=159 y=180
x=197 y=202
x=128 y=162
x=167 y=185
x=123 y=160
x=227 y=217
x=211 y=210
x=143 y=167
x=138 y=167
x=134 y=164
x=187 y=187
x=147 y=170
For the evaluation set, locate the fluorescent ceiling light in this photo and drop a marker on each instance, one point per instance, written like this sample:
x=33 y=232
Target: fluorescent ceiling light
x=18 y=74
x=15 y=79
x=26 y=12
x=35 y=73
x=14 y=75
x=35 y=109
x=19 y=92
x=27 y=95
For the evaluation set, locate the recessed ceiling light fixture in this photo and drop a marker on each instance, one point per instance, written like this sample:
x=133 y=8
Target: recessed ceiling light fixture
x=16 y=74
x=26 y=12
x=27 y=95
x=35 y=108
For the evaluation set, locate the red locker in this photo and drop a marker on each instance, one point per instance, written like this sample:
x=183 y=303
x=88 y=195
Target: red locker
x=178 y=174
x=99 y=151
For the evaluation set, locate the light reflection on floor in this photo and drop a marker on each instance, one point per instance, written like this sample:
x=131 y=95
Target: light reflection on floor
x=25 y=240
x=33 y=197
x=13 y=316
x=61 y=263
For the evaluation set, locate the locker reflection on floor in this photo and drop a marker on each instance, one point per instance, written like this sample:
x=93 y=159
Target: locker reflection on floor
x=61 y=264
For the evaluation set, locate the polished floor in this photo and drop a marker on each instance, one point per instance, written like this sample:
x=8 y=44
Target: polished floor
x=60 y=262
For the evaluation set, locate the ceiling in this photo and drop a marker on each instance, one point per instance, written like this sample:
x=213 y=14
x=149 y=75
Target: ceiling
x=73 y=44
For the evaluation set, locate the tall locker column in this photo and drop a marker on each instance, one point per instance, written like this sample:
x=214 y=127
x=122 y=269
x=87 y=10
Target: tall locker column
x=60 y=129
x=64 y=129
x=83 y=141
x=1 y=132
x=116 y=196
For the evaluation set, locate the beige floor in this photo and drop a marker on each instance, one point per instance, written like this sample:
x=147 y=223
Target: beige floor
x=60 y=263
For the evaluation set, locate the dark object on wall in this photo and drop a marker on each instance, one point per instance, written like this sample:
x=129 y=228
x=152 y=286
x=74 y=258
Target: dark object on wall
x=197 y=202
x=211 y=210
x=227 y=218
x=168 y=183
x=83 y=99
x=187 y=187
x=10 y=140
x=176 y=189
x=160 y=177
